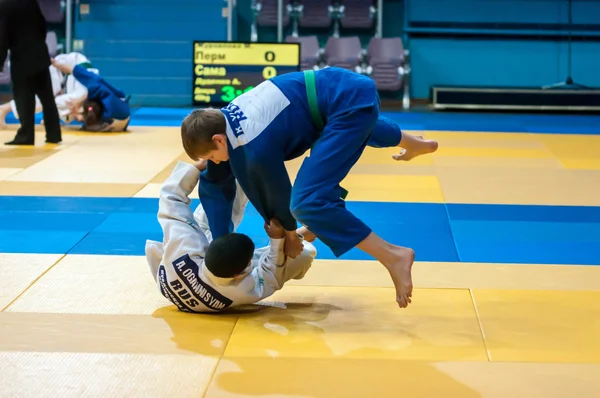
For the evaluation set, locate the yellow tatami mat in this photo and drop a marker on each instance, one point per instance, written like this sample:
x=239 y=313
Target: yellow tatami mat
x=83 y=325
x=358 y=322
x=540 y=326
x=510 y=168
x=382 y=378
x=104 y=313
x=110 y=285
x=19 y=271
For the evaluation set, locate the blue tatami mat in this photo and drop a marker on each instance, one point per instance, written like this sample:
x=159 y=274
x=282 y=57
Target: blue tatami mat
x=35 y=241
x=437 y=232
x=527 y=242
x=416 y=120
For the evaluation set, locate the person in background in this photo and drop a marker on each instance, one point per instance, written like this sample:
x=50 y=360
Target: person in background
x=73 y=93
x=57 y=79
x=23 y=32
x=68 y=92
x=106 y=109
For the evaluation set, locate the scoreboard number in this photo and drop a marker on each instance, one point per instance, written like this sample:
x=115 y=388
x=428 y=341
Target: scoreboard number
x=269 y=72
x=225 y=70
x=269 y=56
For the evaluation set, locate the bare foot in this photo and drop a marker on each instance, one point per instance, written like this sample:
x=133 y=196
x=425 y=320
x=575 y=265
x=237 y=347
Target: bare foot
x=400 y=270
x=397 y=260
x=414 y=146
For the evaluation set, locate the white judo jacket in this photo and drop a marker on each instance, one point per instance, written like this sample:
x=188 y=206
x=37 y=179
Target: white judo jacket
x=177 y=264
x=74 y=92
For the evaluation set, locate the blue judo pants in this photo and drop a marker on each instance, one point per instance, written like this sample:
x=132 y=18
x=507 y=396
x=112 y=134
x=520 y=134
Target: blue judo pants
x=316 y=200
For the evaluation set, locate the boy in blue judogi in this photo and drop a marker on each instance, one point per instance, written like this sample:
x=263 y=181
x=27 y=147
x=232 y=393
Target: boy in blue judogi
x=333 y=112
x=106 y=108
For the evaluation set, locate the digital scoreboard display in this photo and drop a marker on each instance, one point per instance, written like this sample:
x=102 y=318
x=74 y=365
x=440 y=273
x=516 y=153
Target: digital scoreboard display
x=226 y=70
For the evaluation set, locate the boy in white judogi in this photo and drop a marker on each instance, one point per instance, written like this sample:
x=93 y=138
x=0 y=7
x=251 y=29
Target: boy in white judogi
x=199 y=274
x=69 y=103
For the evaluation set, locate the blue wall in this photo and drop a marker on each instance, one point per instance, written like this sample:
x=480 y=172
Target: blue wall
x=488 y=42
x=145 y=46
x=500 y=42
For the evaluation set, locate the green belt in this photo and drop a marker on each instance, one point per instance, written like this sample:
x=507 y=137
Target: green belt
x=86 y=65
x=311 y=95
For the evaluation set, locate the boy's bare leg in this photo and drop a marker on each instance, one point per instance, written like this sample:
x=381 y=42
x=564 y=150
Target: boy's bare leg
x=4 y=111
x=397 y=260
x=414 y=146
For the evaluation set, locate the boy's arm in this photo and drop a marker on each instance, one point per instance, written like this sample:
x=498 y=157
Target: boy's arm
x=217 y=193
x=271 y=263
x=181 y=233
x=116 y=91
x=273 y=189
x=271 y=196
x=77 y=96
x=275 y=268
x=271 y=267
x=86 y=77
x=184 y=246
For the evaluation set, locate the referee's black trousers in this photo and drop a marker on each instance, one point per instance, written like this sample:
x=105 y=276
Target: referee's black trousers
x=25 y=89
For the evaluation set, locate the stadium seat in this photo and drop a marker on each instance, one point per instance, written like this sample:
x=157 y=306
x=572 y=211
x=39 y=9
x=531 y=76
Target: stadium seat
x=266 y=12
x=310 y=54
x=388 y=65
x=265 y=15
x=357 y=14
x=385 y=58
x=315 y=13
x=52 y=10
x=52 y=43
x=344 y=52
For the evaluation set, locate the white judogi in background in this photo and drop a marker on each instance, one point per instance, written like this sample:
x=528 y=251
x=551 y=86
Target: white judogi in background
x=56 y=77
x=177 y=265
x=72 y=93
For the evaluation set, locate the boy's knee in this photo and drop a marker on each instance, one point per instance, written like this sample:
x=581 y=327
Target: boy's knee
x=305 y=260
x=309 y=250
x=299 y=205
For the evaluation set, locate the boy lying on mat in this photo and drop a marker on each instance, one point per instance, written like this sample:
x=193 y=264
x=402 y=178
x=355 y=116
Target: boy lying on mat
x=199 y=274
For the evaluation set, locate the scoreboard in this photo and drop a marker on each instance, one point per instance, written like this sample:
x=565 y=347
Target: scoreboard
x=225 y=70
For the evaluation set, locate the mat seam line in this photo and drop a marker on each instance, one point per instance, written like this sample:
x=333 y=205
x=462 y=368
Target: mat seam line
x=155 y=175
x=33 y=283
x=108 y=214
x=447 y=214
x=63 y=146
x=214 y=372
x=487 y=350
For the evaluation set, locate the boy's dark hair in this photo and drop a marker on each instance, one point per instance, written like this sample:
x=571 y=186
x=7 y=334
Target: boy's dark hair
x=92 y=116
x=92 y=112
x=229 y=255
x=197 y=131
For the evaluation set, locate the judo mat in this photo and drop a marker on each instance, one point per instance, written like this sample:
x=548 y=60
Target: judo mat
x=504 y=219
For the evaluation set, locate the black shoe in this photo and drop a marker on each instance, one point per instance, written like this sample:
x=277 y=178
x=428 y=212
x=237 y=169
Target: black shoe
x=18 y=141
